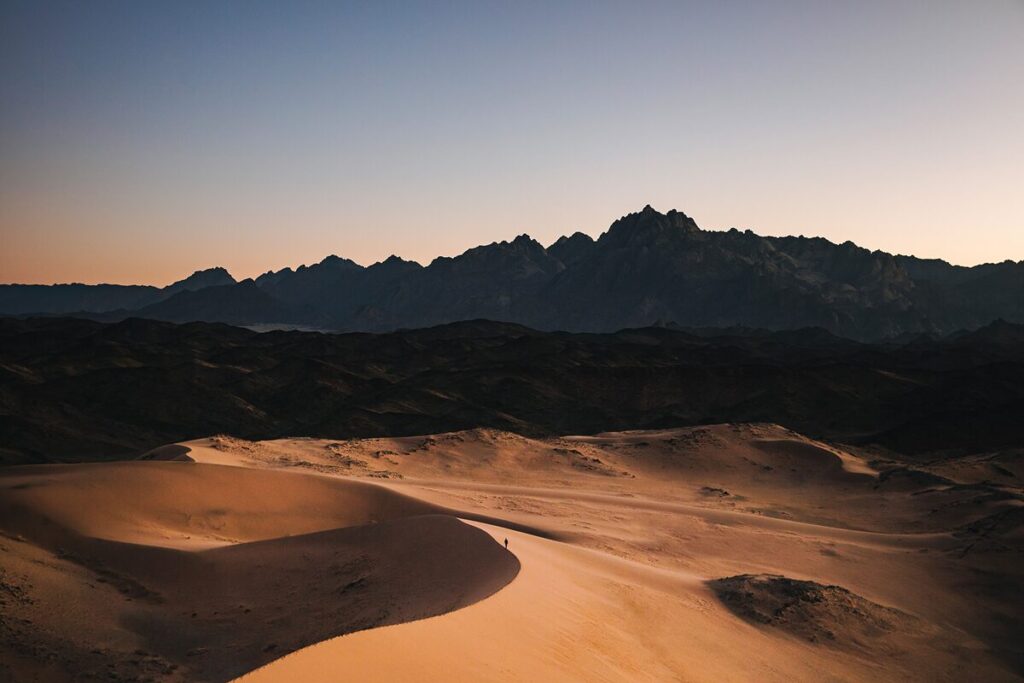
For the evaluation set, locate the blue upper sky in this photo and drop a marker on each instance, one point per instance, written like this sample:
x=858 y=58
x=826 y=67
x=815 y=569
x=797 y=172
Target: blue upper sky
x=142 y=140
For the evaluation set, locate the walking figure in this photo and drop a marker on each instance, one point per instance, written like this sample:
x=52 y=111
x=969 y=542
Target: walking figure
x=506 y=544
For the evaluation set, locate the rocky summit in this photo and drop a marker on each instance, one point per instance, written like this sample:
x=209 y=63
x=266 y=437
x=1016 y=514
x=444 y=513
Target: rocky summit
x=648 y=268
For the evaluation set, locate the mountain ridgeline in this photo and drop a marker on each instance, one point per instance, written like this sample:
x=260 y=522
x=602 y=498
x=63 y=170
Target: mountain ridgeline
x=79 y=298
x=649 y=268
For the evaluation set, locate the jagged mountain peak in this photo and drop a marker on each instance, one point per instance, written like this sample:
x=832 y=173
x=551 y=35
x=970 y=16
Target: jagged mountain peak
x=573 y=248
x=200 y=279
x=334 y=262
x=576 y=237
x=394 y=260
x=395 y=264
x=524 y=240
x=520 y=246
x=649 y=224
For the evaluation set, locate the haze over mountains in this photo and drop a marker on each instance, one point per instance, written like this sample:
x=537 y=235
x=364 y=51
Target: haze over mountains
x=649 y=268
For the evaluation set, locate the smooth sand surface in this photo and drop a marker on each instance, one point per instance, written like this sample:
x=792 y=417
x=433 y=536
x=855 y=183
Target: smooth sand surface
x=383 y=560
x=571 y=614
x=579 y=615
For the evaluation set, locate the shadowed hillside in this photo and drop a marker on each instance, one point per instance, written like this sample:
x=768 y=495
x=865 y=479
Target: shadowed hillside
x=79 y=390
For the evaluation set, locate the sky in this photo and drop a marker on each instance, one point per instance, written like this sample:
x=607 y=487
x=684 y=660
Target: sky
x=140 y=141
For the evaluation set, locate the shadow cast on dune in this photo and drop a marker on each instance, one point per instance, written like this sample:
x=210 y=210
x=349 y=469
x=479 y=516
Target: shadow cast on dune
x=326 y=557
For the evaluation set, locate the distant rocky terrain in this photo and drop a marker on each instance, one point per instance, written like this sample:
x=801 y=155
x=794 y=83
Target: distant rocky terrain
x=74 y=389
x=648 y=269
x=79 y=298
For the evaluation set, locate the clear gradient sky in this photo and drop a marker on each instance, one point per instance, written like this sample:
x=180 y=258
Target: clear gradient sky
x=140 y=141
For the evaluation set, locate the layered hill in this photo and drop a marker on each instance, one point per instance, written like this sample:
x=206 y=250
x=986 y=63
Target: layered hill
x=648 y=268
x=80 y=298
x=73 y=389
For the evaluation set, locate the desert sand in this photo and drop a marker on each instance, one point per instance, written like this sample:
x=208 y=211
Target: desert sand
x=729 y=552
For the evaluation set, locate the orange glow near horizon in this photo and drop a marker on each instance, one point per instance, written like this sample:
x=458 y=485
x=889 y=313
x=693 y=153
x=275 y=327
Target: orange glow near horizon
x=91 y=254
x=140 y=142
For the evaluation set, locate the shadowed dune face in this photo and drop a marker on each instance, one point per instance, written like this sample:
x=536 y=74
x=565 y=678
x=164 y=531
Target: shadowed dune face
x=812 y=460
x=188 y=505
x=172 y=452
x=204 y=572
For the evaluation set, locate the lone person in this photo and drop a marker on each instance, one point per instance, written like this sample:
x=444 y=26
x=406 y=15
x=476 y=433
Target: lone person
x=506 y=544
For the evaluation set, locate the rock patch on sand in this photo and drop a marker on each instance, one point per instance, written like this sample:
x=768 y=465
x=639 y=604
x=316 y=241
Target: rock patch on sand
x=809 y=610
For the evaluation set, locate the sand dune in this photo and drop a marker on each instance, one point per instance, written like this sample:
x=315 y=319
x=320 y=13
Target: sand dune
x=731 y=552
x=184 y=504
x=202 y=572
x=579 y=615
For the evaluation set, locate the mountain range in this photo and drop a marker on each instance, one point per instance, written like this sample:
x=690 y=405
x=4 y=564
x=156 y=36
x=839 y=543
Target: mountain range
x=71 y=298
x=648 y=268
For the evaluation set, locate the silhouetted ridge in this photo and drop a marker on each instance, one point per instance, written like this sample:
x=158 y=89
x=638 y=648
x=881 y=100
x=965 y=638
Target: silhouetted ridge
x=648 y=226
x=647 y=269
x=240 y=303
x=211 y=277
x=570 y=250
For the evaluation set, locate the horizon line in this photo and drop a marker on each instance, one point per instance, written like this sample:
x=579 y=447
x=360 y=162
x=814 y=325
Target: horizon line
x=500 y=242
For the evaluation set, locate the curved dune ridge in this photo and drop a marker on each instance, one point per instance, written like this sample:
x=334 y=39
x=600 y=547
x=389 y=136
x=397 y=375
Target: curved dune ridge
x=812 y=458
x=203 y=572
x=189 y=505
x=719 y=553
x=603 y=618
x=174 y=452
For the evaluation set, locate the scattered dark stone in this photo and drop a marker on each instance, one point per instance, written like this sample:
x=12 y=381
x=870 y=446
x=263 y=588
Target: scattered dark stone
x=713 y=491
x=815 y=612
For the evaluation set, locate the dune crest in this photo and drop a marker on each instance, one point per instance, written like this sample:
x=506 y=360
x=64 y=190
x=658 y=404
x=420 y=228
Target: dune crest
x=201 y=572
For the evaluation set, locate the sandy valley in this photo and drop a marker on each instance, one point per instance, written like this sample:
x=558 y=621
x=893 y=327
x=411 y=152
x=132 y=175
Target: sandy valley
x=729 y=552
